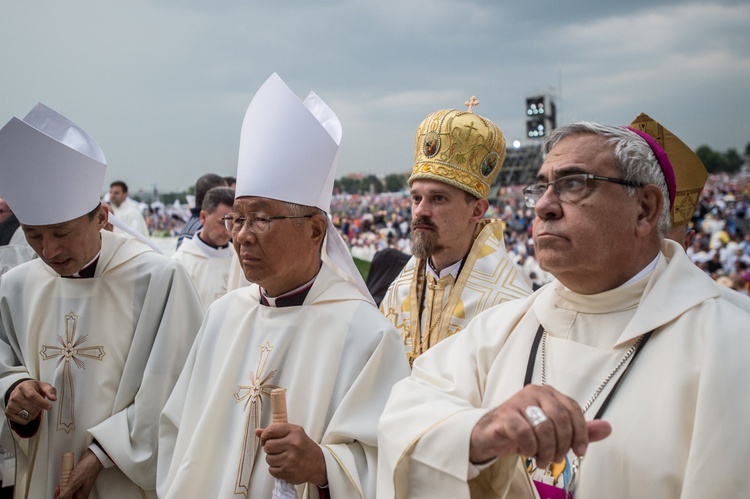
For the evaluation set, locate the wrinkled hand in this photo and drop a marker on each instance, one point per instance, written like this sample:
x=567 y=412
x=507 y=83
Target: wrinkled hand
x=82 y=478
x=291 y=455
x=506 y=430
x=32 y=396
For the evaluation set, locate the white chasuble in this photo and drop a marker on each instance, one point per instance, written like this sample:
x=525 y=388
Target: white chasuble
x=112 y=346
x=678 y=417
x=336 y=356
x=488 y=277
x=208 y=267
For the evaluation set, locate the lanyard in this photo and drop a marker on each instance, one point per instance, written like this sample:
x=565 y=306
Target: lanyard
x=532 y=361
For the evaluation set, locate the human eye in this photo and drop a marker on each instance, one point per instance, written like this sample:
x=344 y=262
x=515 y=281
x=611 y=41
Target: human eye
x=261 y=218
x=571 y=183
x=536 y=189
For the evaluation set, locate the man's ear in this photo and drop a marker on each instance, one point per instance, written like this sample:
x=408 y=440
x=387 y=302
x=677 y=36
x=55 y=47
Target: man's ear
x=318 y=224
x=480 y=208
x=202 y=216
x=102 y=216
x=650 y=203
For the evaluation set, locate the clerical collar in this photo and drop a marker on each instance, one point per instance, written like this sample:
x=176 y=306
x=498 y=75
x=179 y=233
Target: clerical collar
x=87 y=271
x=210 y=250
x=646 y=270
x=449 y=270
x=293 y=298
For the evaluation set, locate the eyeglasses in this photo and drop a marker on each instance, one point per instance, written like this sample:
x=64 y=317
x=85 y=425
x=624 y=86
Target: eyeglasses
x=570 y=188
x=257 y=222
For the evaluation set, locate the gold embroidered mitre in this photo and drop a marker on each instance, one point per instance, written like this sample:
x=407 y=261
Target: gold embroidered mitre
x=690 y=174
x=459 y=148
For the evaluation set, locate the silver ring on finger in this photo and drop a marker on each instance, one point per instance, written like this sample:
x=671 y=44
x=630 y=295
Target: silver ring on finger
x=23 y=414
x=535 y=415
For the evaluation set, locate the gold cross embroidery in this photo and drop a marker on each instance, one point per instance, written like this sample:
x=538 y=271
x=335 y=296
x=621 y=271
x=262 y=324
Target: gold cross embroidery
x=70 y=350
x=252 y=396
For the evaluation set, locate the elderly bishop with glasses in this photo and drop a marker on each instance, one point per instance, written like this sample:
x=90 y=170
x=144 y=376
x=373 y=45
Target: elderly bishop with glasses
x=306 y=325
x=624 y=377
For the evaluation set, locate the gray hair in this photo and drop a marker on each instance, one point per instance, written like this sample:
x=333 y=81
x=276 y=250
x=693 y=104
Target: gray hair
x=634 y=157
x=216 y=196
x=299 y=210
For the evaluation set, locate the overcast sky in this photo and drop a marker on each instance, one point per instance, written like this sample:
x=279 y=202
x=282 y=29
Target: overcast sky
x=163 y=85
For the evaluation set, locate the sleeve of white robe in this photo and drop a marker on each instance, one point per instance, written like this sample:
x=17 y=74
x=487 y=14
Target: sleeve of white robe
x=718 y=446
x=169 y=423
x=350 y=441
x=170 y=318
x=425 y=430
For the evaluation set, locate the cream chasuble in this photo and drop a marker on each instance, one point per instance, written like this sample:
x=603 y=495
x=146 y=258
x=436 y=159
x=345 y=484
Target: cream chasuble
x=208 y=268
x=678 y=418
x=488 y=277
x=16 y=252
x=113 y=346
x=336 y=356
x=130 y=213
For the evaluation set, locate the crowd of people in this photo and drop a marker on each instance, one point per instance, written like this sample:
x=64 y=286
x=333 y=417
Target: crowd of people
x=588 y=314
x=721 y=245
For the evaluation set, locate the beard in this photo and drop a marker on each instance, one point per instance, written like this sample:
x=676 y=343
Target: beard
x=424 y=244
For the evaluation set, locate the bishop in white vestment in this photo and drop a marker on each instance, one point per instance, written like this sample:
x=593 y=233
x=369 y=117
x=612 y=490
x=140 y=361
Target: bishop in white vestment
x=93 y=333
x=113 y=345
x=677 y=419
x=307 y=325
x=624 y=377
x=334 y=354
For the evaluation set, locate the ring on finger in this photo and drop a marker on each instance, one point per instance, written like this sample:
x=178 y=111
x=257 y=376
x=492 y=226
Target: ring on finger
x=535 y=415
x=23 y=414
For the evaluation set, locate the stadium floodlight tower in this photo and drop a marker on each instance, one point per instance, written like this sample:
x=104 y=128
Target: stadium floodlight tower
x=540 y=116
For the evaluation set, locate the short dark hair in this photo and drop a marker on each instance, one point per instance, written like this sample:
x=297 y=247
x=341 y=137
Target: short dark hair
x=216 y=196
x=119 y=183
x=206 y=183
x=230 y=180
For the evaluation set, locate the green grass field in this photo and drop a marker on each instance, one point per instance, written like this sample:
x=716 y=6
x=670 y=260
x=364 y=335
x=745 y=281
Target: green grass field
x=363 y=267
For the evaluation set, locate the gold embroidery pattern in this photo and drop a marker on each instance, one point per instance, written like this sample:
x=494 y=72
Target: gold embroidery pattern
x=252 y=395
x=70 y=350
x=488 y=278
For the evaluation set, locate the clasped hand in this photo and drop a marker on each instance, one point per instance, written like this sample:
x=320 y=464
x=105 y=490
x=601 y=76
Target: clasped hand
x=506 y=430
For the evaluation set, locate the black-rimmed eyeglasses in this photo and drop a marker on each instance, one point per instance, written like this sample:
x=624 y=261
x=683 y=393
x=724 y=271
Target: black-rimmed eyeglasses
x=257 y=222
x=570 y=188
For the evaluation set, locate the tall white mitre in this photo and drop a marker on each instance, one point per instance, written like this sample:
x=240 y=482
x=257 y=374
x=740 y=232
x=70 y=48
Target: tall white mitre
x=288 y=152
x=51 y=170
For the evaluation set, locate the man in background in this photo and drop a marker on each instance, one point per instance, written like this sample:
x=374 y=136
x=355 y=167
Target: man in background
x=208 y=255
x=126 y=209
x=202 y=186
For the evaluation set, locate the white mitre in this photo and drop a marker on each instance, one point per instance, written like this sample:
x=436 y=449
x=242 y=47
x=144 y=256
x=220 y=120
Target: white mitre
x=51 y=170
x=288 y=152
